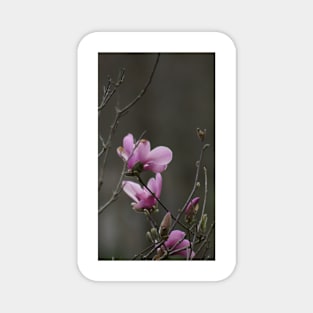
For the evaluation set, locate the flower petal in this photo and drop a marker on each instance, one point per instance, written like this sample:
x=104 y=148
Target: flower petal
x=174 y=237
x=160 y=155
x=155 y=168
x=128 y=144
x=142 y=150
x=146 y=203
x=121 y=153
x=133 y=190
x=186 y=252
x=155 y=185
x=158 y=185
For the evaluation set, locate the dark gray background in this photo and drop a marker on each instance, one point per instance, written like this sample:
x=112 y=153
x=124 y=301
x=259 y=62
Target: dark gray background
x=179 y=99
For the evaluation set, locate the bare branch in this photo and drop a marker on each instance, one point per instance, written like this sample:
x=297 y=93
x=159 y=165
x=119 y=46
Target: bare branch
x=108 y=92
x=118 y=114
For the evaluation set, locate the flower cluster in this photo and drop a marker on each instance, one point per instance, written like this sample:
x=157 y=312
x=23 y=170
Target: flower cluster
x=139 y=157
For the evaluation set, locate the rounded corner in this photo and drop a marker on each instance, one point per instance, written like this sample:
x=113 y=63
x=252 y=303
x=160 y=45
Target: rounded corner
x=84 y=273
x=227 y=39
x=85 y=38
x=228 y=272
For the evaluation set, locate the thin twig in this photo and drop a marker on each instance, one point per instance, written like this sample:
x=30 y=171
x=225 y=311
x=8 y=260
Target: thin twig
x=206 y=238
x=103 y=147
x=205 y=195
x=198 y=163
x=108 y=93
x=159 y=201
x=118 y=114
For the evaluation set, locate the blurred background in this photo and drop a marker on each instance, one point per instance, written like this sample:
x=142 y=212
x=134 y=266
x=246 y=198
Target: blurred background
x=179 y=100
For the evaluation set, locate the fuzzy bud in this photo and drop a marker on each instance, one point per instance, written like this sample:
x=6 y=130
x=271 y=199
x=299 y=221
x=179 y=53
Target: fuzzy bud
x=165 y=225
x=149 y=237
x=201 y=133
x=154 y=233
x=203 y=222
x=192 y=209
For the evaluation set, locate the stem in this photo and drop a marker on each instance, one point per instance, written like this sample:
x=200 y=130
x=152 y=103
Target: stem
x=198 y=163
x=159 y=201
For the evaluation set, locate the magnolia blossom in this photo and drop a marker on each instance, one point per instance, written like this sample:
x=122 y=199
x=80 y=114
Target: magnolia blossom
x=139 y=155
x=143 y=199
x=177 y=244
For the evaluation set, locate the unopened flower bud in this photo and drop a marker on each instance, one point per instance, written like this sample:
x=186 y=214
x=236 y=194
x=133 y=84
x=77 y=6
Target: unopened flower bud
x=165 y=225
x=149 y=237
x=192 y=209
x=154 y=233
x=201 y=133
x=203 y=222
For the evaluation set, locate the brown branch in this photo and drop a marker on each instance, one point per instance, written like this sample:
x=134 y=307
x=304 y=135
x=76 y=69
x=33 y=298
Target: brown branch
x=118 y=114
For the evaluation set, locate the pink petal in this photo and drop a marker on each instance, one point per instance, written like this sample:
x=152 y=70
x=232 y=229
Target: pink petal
x=158 y=185
x=146 y=203
x=191 y=205
x=155 y=185
x=128 y=144
x=152 y=184
x=160 y=155
x=174 y=237
x=133 y=190
x=155 y=168
x=121 y=153
x=142 y=150
x=132 y=161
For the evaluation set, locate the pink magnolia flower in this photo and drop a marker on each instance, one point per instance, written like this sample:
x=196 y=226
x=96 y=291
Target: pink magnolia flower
x=176 y=242
x=140 y=156
x=143 y=199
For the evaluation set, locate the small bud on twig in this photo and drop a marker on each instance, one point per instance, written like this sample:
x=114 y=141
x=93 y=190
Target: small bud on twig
x=165 y=225
x=192 y=209
x=154 y=233
x=203 y=222
x=201 y=133
x=149 y=237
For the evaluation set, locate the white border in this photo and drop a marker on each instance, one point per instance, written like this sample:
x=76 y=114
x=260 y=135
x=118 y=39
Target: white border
x=225 y=96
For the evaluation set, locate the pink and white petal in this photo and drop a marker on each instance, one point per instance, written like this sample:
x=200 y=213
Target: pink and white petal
x=155 y=184
x=128 y=144
x=133 y=190
x=132 y=161
x=174 y=237
x=142 y=150
x=152 y=184
x=146 y=203
x=186 y=252
x=155 y=168
x=121 y=153
x=158 y=185
x=160 y=155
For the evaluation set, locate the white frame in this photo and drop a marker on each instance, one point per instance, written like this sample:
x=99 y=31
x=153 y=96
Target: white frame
x=225 y=171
